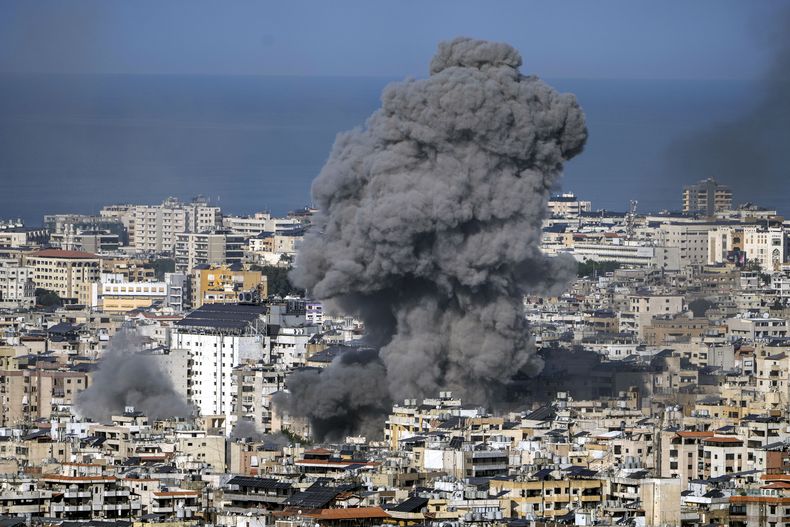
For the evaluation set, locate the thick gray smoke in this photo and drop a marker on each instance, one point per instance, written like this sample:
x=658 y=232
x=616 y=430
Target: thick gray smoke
x=429 y=225
x=749 y=153
x=127 y=377
x=244 y=429
x=345 y=398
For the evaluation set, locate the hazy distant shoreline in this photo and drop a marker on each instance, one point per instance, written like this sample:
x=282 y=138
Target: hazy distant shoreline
x=73 y=143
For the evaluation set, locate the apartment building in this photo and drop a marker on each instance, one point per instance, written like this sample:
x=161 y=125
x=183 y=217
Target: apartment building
x=156 y=227
x=16 y=284
x=91 y=240
x=218 y=247
x=67 y=273
x=28 y=395
x=646 y=307
x=706 y=197
x=567 y=205
x=690 y=239
x=548 y=497
x=259 y=223
x=222 y=284
x=219 y=337
x=255 y=386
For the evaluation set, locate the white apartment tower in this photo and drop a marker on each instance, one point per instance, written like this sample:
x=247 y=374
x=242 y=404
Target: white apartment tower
x=218 y=338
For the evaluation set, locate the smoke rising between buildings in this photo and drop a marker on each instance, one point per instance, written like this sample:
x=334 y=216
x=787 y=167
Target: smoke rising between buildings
x=127 y=377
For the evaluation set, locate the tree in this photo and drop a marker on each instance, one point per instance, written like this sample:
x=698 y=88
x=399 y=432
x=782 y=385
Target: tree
x=277 y=280
x=47 y=298
x=589 y=267
x=162 y=266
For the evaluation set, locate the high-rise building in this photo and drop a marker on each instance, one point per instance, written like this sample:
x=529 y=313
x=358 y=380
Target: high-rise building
x=706 y=197
x=155 y=227
x=219 y=247
x=219 y=337
x=567 y=205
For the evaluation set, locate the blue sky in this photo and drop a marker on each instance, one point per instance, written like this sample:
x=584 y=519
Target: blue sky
x=667 y=39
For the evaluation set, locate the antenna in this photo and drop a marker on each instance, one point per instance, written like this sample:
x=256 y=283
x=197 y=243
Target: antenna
x=630 y=219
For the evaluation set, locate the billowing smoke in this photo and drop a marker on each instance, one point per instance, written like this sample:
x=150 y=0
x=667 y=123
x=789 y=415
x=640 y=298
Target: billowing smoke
x=244 y=429
x=127 y=377
x=749 y=153
x=429 y=225
x=345 y=398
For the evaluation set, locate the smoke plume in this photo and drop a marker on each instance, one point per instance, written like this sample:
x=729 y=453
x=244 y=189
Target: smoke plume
x=749 y=153
x=343 y=399
x=127 y=377
x=429 y=225
x=244 y=429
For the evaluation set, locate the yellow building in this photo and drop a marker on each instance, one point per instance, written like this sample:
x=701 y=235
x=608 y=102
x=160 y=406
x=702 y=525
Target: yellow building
x=222 y=285
x=67 y=273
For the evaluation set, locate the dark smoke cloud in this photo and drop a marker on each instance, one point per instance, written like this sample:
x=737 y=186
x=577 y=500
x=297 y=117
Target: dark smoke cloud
x=748 y=153
x=127 y=377
x=343 y=399
x=429 y=225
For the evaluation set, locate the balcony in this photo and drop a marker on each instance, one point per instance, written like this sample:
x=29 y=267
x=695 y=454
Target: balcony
x=71 y=508
x=26 y=509
x=116 y=507
x=116 y=493
x=70 y=494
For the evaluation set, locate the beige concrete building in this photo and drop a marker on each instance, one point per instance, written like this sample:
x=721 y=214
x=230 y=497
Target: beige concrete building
x=154 y=228
x=521 y=499
x=28 y=395
x=646 y=307
x=567 y=205
x=130 y=269
x=691 y=240
x=706 y=197
x=67 y=273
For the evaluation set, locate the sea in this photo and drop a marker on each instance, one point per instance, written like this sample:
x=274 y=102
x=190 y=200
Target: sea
x=73 y=143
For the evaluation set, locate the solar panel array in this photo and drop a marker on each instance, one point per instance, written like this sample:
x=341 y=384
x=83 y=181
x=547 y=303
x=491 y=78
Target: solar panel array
x=259 y=483
x=314 y=497
x=223 y=316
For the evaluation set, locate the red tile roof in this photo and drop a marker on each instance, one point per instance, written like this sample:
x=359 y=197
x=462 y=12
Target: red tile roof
x=352 y=513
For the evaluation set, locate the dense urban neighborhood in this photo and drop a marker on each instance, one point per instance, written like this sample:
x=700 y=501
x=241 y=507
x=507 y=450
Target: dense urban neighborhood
x=146 y=350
